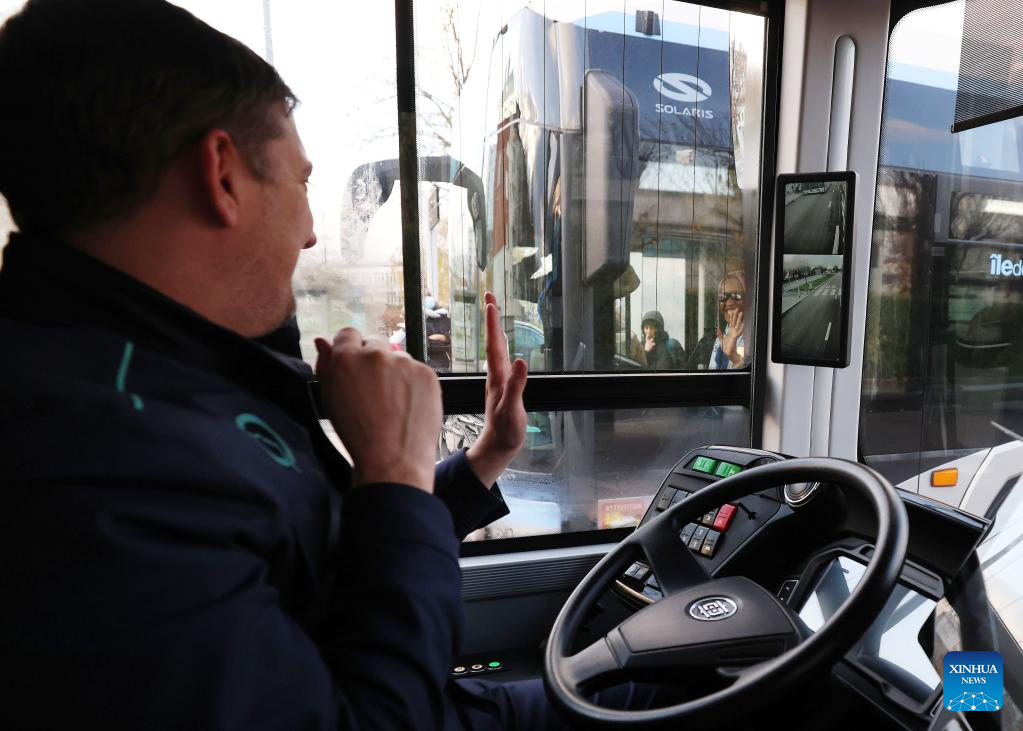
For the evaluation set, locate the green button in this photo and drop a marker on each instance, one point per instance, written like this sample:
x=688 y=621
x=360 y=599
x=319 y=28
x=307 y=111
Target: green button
x=495 y=664
x=727 y=469
x=704 y=464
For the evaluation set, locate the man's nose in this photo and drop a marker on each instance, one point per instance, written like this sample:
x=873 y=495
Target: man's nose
x=311 y=241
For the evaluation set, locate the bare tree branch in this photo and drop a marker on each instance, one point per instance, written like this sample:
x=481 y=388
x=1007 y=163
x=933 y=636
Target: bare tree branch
x=445 y=110
x=438 y=115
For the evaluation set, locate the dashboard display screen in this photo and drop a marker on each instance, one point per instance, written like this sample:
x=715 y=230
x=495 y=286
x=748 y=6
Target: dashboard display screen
x=891 y=647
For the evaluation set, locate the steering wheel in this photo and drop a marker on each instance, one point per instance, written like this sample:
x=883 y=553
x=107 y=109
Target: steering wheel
x=730 y=625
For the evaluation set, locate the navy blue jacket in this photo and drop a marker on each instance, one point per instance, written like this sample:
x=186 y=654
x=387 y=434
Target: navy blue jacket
x=180 y=544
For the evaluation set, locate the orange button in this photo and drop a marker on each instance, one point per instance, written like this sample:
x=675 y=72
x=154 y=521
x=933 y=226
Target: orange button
x=945 y=478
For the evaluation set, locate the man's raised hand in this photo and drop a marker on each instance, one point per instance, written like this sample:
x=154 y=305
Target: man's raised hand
x=504 y=427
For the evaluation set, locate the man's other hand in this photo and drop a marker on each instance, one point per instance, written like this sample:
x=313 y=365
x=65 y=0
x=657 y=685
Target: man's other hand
x=385 y=406
x=504 y=426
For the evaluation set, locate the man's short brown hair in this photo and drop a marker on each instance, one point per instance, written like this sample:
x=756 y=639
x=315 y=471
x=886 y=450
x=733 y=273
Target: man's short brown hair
x=99 y=96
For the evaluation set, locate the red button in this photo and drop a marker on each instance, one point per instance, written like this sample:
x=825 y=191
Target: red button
x=724 y=519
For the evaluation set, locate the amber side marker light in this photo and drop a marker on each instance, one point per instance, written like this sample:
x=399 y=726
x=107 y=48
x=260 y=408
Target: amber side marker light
x=945 y=478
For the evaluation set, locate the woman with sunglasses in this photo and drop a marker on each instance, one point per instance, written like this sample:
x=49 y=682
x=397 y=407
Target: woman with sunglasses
x=729 y=350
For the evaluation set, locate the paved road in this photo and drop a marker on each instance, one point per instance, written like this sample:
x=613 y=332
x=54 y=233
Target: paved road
x=811 y=223
x=810 y=328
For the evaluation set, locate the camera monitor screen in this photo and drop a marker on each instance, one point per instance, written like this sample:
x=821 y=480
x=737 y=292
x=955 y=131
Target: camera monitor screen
x=813 y=254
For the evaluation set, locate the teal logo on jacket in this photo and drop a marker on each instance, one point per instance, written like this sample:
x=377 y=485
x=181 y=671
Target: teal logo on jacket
x=271 y=442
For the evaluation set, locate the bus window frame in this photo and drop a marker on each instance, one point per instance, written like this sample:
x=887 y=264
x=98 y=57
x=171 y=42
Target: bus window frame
x=591 y=391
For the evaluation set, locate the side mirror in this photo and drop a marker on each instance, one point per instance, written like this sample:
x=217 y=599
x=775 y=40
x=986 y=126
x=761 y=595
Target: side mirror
x=611 y=126
x=370 y=185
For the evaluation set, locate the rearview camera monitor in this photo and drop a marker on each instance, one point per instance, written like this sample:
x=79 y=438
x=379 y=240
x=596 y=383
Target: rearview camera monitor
x=813 y=254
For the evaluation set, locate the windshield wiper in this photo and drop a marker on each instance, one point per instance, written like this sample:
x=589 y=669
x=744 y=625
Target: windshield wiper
x=1007 y=430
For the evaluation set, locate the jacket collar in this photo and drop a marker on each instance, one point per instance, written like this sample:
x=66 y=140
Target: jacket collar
x=49 y=283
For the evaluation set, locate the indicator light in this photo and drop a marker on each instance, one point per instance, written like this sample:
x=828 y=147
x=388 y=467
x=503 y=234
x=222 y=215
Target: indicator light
x=945 y=478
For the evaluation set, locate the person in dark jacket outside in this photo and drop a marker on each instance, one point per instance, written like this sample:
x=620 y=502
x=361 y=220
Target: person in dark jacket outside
x=184 y=547
x=662 y=352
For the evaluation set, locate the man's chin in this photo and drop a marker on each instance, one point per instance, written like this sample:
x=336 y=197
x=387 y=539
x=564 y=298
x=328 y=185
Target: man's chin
x=285 y=317
x=290 y=318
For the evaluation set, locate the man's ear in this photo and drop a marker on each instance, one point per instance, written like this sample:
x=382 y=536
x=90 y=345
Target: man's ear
x=223 y=174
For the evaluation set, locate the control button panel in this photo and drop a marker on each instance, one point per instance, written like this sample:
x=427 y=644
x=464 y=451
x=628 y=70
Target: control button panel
x=702 y=537
x=716 y=533
x=477 y=668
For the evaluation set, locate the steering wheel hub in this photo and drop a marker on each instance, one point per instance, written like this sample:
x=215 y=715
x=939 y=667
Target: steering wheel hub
x=712 y=608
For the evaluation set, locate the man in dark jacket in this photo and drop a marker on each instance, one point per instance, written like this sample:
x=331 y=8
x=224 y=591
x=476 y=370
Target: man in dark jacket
x=183 y=547
x=662 y=351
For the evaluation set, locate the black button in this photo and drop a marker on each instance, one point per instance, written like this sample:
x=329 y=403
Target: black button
x=666 y=496
x=708 y=518
x=786 y=589
x=710 y=544
x=687 y=532
x=680 y=495
x=637 y=571
x=696 y=542
x=652 y=593
x=652 y=581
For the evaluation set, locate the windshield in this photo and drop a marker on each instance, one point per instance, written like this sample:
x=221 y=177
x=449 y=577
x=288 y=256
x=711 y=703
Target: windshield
x=596 y=165
x=943 y=366
x=942 y=397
